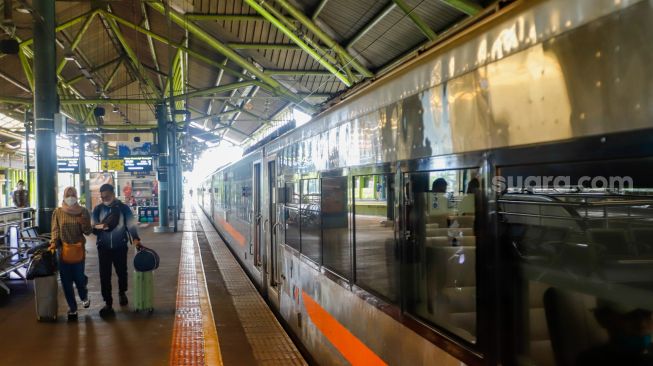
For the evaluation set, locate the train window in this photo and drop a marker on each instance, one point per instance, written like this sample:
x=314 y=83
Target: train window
x=310 y=219
x=291 y=214
x=376 y=248
x=581 y=249
x=336 y=248
x=441 y=249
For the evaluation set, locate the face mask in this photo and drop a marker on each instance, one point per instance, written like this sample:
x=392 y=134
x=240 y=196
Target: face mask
x=635 y=343
x=70 y=201
x=107 y=203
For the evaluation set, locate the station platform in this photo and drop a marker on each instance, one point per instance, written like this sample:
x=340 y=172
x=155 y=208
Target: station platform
x=207 y=312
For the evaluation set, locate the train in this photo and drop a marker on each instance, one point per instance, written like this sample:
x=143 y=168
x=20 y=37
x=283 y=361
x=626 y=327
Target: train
x=482 y=203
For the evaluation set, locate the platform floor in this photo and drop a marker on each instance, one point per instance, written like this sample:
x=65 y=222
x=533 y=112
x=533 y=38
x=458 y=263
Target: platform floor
x=240 y=329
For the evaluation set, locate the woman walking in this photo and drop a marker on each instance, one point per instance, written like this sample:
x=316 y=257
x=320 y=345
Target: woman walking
x=70 y=223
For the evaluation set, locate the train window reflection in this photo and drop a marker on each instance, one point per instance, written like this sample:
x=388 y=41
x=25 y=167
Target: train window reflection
x=291 y=215
x=376 y=250
x=441 y=249
x=583 y=272
x=310 y=219
x=336 y=248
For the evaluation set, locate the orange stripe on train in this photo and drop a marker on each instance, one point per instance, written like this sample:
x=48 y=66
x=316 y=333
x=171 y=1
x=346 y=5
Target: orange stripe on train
x=238 y=237
x=355 y=351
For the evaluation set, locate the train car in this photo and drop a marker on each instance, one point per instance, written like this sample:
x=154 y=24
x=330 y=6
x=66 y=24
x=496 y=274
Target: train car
x=488 y=202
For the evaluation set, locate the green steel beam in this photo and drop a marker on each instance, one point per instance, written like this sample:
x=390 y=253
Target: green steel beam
x=328 y=41
x=222 y=17
x=218 y=89
x=93 y=70
x=108 y=101
x=76 y=40
x=428 y=32
x=62 y=26
x=466 y=6
x=319 y=9
x=142 y=73
x=166 y=41
x=263 y=46
x=16 y=100
x=280 y=26
x=292 y=26
x=204 y=36
x=150 y=42
x=27 y=68
x=371 y=24
x=298 y=72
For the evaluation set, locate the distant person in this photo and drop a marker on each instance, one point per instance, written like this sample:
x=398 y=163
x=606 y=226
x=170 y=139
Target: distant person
x=70 y=223
x=19 y=195
x=439 y=185
x=191 y=192
x=113 y=221
x=127 y=191
x=473 y=186
x=629 y=329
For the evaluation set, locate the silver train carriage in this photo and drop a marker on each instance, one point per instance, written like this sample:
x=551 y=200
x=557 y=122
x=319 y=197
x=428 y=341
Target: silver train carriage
x=485 y=203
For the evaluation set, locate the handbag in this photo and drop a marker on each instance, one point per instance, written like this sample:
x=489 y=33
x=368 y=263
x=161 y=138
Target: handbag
x=72 y=253
x=43 y=264
x=145 y=260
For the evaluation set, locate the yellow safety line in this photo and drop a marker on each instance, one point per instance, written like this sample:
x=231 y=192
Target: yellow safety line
x=212 y=355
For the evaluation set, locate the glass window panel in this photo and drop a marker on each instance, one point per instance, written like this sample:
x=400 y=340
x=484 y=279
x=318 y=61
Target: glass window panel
x=376 y=249
x=335 y=225
x=583 y=263
x=291 y=215
x=441 y=249
x=310 y=219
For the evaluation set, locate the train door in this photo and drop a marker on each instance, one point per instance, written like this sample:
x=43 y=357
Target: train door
x=256 y=238
x=274 y=211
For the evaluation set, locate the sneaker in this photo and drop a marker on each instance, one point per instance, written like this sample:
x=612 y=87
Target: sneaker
x=86 y=303
x=123 y=299
x=72 y=316
x=107 y=311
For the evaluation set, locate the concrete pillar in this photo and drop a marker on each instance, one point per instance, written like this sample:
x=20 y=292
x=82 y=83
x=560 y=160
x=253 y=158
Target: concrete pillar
x=45 y=106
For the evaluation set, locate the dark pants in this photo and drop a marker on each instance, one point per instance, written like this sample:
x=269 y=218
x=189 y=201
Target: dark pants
x=117 y=257
x=73 y=273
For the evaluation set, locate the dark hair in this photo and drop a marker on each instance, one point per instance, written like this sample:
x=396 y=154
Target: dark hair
x=439 y=185
x=473 y=186
x=107 y=188
x=21 y=181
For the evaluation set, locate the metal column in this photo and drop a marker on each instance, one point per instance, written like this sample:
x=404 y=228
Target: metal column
x=83 y=186
x=28 y=129
x=162 y=176
x=173 y=174
x=45 y=106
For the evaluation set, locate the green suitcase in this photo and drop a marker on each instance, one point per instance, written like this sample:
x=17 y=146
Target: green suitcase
x=143 y=298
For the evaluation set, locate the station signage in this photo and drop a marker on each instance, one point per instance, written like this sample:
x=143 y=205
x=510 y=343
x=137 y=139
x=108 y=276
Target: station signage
x=138 y=164
x=112 y=164
x=68 y=165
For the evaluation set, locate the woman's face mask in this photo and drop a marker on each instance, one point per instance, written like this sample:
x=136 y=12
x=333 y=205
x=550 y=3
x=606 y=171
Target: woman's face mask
x=70 y=201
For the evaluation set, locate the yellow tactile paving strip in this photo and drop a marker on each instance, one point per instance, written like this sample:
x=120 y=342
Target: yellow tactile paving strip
x=194 y=338
x=268 y=340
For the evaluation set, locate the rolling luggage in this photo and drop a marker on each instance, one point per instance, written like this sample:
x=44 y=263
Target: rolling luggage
x=143 y=298
x=45 y=296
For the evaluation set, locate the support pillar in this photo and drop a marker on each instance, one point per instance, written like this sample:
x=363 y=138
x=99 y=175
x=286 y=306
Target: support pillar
x=28 y=130
x=173 y=174
x=45 y=106
x=162 y=174
x=83 y=186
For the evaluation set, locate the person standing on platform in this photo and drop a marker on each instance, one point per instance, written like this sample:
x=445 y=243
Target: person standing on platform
x=70 y=223
x=19 y=196
x=113 y=223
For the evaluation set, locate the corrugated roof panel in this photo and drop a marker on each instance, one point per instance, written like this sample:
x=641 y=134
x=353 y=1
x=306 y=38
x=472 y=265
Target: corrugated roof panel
x=438 y=15
x=347 y=17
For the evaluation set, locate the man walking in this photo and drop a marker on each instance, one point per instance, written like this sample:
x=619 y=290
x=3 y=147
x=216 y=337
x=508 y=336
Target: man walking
x=113 y=221
x=19 y=195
